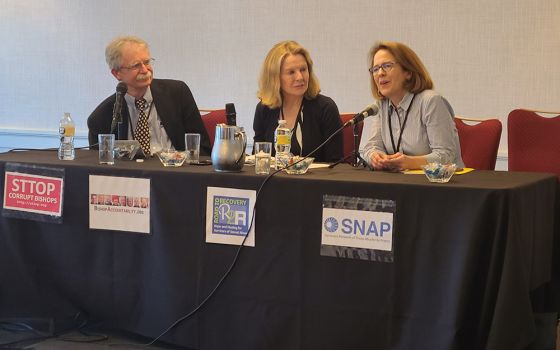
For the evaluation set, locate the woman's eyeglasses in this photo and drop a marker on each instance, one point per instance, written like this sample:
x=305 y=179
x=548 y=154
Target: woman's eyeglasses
x=387 y=66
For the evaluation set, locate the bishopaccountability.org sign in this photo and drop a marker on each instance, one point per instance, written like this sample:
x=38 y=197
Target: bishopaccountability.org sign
x=357 y=228
x=119 y=203
x=228 y=216
x=33 y=192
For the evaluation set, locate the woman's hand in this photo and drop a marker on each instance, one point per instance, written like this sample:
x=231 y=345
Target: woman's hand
x=397 y=161
x=382 y=161
x=402 y=162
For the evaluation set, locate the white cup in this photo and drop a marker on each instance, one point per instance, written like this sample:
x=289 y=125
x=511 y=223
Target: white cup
x=106 y=149
x=192 y=148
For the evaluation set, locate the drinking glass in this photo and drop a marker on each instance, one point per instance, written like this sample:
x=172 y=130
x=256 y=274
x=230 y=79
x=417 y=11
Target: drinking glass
x=192 y=148
x=106 y=148
x=263 y=152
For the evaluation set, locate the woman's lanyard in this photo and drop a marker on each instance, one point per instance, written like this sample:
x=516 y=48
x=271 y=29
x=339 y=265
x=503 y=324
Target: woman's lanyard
x=396 y=149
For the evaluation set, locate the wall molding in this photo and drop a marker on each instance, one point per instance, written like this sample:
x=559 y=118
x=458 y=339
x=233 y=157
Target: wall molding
x=502 y=161
x=12 y=138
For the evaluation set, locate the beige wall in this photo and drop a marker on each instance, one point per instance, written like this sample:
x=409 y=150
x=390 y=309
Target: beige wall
x=486 y=57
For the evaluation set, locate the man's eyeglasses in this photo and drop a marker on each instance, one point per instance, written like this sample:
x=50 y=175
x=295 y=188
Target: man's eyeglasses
x=387 y=66
x=139 y=65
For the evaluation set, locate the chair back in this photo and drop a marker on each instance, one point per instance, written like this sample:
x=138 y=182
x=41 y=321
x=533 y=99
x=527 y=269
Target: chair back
x=211 y=119
x=533 y=142
x=348 y=134
x=479 y=142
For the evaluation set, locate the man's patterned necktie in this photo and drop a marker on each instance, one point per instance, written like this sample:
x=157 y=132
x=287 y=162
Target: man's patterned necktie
x=142 y=131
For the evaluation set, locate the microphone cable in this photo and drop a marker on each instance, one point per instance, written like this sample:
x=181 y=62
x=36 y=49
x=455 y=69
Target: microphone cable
x=237 y=253
x=221 y=280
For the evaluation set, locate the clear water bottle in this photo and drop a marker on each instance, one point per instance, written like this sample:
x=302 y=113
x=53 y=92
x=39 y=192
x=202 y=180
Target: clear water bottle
x=66 y=132
x=282 y=142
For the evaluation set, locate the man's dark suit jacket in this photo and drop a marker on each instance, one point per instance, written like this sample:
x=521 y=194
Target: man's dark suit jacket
x=175 y=107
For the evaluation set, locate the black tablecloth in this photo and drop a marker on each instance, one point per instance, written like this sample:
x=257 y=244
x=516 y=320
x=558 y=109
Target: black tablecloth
x=467 y=256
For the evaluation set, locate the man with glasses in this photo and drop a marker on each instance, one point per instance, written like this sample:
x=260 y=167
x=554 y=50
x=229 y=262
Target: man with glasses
x=157 y=112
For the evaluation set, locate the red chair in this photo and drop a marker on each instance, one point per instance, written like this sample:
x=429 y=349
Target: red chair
x=211 y=119
x=533 y=141
x=479 y=142
x=348 y=134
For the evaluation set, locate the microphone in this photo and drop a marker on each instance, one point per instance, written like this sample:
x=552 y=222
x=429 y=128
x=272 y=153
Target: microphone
x=117 y=115
x=230 y=114
x=359 y=117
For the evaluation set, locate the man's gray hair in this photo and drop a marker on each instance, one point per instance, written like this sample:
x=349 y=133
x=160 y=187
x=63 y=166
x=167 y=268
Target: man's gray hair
x=113 y=51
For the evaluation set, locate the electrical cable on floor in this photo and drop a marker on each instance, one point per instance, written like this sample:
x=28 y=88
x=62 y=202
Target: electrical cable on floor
x=24 y=327
x=88 y=337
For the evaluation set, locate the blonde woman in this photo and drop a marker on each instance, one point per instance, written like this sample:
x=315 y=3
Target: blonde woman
x=289 y=89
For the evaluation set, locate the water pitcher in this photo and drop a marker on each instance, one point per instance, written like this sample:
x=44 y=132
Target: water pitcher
x=228 y=153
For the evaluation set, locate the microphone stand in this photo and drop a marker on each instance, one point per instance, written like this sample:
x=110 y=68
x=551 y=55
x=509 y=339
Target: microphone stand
x=122 y=88
x=354 y=159
x=114 y=123
x=357 y=159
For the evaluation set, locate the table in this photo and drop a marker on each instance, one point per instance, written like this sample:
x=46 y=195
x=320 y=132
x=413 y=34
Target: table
x=467 y=257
